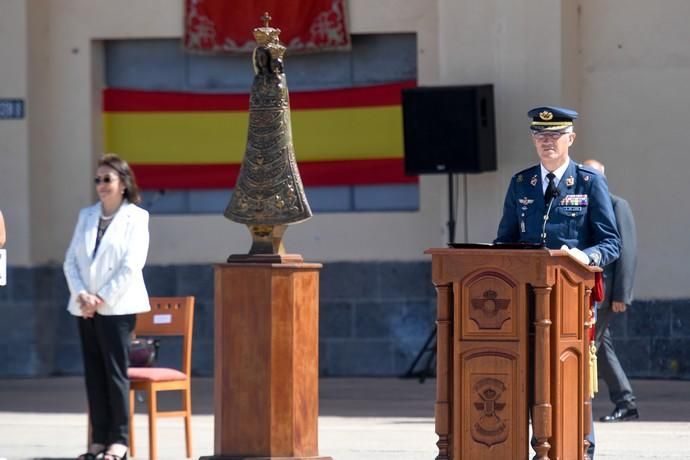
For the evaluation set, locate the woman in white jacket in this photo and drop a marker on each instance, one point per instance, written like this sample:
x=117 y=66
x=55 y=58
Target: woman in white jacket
x=103 y=267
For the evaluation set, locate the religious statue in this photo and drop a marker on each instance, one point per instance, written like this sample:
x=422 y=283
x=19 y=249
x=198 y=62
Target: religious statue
x=269 y=194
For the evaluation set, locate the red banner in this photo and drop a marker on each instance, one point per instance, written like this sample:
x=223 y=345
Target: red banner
x=227 y=25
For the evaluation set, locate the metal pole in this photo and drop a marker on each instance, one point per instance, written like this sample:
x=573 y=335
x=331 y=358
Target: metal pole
x=451 y=209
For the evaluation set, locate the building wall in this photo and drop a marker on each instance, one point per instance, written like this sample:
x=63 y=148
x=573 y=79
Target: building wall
x=14 y=134
x=635 y=109
x=67 y=71
x=617 y=82
x=632 y=90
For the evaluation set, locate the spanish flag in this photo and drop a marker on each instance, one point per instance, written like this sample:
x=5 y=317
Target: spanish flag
x=184 y=140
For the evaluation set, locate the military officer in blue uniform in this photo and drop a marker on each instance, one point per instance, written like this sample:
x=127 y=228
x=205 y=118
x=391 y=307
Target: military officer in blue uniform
x=573 y=198
x=559 y=202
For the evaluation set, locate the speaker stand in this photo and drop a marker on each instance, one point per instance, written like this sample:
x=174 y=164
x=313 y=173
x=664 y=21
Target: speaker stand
x=429 y=368
x=451 y=209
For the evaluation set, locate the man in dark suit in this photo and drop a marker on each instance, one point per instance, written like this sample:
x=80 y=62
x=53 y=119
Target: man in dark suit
x=619 y=277
x=559 y=202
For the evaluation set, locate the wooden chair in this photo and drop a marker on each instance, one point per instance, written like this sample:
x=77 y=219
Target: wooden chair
x=169 y=316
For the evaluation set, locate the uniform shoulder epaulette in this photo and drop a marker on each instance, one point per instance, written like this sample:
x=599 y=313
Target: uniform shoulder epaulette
x=588 y=169
x=525 y=171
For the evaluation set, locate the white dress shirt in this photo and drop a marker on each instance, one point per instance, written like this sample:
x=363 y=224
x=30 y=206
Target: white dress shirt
x=558 y=173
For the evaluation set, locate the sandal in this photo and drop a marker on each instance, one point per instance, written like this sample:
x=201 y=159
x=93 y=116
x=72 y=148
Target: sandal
x=108 y=455
x=111 y=456
x=92 y=456
x=87 y=456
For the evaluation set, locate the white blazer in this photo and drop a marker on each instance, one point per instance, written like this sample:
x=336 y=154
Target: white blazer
x=115 y=272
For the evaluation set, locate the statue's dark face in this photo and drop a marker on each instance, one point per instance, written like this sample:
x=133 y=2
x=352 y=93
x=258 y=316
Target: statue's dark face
x=263 y=61
x=277 y=65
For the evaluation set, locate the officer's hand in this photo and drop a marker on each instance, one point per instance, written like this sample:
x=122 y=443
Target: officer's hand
x=618 y=307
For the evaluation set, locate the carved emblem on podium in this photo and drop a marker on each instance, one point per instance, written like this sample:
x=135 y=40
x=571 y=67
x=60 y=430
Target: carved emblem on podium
x=488 y=311
x=490 y=429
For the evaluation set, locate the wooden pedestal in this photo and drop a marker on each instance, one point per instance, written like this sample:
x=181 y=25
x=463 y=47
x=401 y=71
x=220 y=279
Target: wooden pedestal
x=266 y=361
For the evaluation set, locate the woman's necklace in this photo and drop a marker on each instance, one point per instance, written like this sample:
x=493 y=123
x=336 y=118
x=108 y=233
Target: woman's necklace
x=103 y=217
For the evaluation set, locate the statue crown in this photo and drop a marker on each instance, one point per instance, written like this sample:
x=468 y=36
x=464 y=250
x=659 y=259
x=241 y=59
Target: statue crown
x=269 y=37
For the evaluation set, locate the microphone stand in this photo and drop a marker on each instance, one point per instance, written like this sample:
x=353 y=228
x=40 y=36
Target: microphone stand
x=546 y=217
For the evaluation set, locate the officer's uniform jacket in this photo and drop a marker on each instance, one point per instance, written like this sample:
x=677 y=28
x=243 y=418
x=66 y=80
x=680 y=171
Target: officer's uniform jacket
x=581 y=215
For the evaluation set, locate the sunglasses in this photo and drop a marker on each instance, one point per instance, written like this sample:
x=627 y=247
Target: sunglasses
x=105 y=179
x=544 y=135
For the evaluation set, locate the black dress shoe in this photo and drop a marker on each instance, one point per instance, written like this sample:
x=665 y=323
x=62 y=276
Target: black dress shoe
x=621 y=414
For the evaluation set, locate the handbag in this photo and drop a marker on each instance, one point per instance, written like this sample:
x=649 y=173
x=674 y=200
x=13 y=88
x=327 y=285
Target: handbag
x=142 y=352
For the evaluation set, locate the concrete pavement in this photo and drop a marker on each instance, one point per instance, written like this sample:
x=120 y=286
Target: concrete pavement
x=361 y=419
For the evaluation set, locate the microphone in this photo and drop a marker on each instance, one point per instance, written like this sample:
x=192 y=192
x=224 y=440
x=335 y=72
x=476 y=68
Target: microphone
x=554 y=194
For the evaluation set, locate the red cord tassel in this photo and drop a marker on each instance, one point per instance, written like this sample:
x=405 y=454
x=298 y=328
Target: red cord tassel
x=597 y=296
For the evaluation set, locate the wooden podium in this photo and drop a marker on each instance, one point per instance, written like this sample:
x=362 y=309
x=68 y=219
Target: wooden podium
x=512 y=340
x=266 y=361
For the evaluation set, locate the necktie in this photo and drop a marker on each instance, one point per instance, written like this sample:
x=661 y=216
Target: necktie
x=550 y=188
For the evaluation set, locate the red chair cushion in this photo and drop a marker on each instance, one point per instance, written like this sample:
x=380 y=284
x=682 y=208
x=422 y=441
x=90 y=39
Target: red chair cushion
x=155 y=374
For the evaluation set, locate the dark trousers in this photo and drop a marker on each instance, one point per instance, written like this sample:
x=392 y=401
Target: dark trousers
x=610 y=369
x=105 y=345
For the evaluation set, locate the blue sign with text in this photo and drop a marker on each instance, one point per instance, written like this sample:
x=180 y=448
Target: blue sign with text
x=11 y=109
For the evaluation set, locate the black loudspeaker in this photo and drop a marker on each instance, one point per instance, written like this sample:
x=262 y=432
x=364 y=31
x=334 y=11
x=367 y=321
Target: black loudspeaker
x=449 y=129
